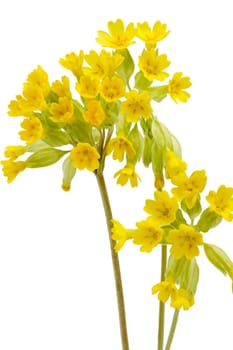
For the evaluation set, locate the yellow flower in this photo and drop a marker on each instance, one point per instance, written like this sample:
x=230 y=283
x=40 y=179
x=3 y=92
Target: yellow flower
x=73 y=62
x=174 y=165
x=165 y=290
x=148 y=234
x=62 y=88
x=38 y=77
x=94 y=114
x=152 y=35
x=18 y=108
x=119 y=37
x=11 y=169
x=120 y=234
x=137 y=105
x=189 y=188
x=33 y=98
x=152 y=65
x=33 y=130
x=120 y=146
x=176 y=87
x=182 y=298
x=126 y=174
x=184 y=242
x=85 y=156
x=63 y=111
x=221 y=202
x=163 y=209
x=88 y=87
x=112 y=89
x=104 y=64
x=13 y=152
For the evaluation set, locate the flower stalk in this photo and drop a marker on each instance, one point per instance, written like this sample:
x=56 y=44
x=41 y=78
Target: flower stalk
x=161 y=304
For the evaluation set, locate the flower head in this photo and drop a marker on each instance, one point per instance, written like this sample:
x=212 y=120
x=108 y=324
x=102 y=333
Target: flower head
x=74 y=63
x=11 y=168
x=13 y=152
x=176 y=87
x=152 y=65
x=148 y=235
x=120 y=146
x=63 y=111
x=174 y=165
x=182 y=299
x=103 y=64
x=33 y=130
x=221 y=202
x=62 y=88
x=136 y=105
x=94 y=114
x=163 y=209
x=185 y=242
x=126 y=174
x=165 y=289
x=120 y=234
x=38 y=77
x=88 y=87
x=112 y=89
x=119 y=37
x=152 y=35
x=85 y=156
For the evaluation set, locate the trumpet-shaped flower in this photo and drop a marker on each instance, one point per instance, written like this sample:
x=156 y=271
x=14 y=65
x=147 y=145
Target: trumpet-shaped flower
x=38 y=77
x=182 y=299
x=174 y=165
x=13 y=152
x=119 y=146
x=221 y=202
x=165 y=289
x=88 y=87
x=74 y=63
x=33 y=130
x=126 y=174
x=103 y=64
x=62 y=88
x=33 y=98
x=152 y=65
x=63 y=111
x=176 y=87
x=11 y=168
x=118 y=37
x=112 y=89
x=136 y=105
x=120 y=234
x=94 y=114
x=151 y=36
x=85 y=156
x=189 y=188
x=163 y=209
x=149 y=234
x=185 y=242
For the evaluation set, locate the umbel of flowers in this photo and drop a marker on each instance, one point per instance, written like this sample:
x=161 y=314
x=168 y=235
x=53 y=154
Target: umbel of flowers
x=110 y=112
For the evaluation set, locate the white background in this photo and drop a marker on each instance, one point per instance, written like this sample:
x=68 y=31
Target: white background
x=56 y=284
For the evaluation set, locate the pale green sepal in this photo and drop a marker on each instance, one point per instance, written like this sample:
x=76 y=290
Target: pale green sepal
x=136 y=139
x=56 y=137
x=218 y=258
x=36 y=146
x=126 y=69
x=209 y=219
x=141 y=83
x=44 y=157
x=157 y=93
x=68 y=173
x=146 y=153
x=194 y=211
x=157 y=156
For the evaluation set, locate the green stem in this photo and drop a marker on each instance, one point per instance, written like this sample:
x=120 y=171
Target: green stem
x=161 y=304
x=172 y=330
x=115 y=261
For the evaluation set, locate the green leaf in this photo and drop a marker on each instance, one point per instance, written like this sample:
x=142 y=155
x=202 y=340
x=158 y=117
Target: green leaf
x=44 y=157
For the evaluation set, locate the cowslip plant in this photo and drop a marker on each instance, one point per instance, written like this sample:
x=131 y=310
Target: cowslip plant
x=110 y=112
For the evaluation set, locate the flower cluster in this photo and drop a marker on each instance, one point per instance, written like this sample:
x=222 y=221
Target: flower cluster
x=111 y=111
x=178 y=221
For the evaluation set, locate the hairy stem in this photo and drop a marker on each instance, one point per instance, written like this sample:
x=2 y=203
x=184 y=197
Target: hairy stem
x=115 y=261
x=172 y=329
x=161 y=304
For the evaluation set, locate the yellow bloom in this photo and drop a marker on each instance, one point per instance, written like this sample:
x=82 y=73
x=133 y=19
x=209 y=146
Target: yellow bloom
x=33 y=98
x=152 y=35
x=74 y=63
x=120 y=234
x=189 y=188
x=38 y=77
x=152 y=65
x=184 y=242
x=119 y=37
x=165 y=290
x=148 y=234
x=18 y=107
x=33 y=130
x=88 y=87
x=163 y=209
x=94 y=114
x=176 y=87
x=11 y=169
x=112 y=89
x=126 y=174
x=84 y=156
x=104 y=64
x=13 y=152
x=221 y=202
x=62 y=88
x=120 y=146
x=174 y=165
x=63 y=111
x=137 y=105
x=182 y=298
